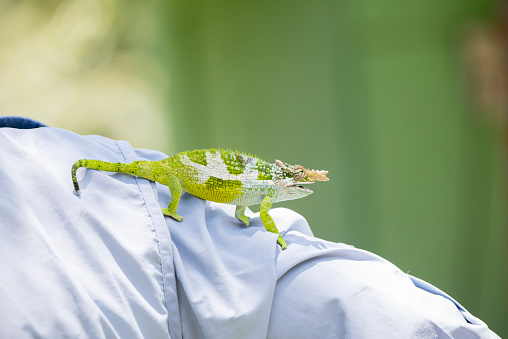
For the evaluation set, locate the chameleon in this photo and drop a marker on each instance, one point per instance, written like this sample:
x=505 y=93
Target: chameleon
x=219 y=175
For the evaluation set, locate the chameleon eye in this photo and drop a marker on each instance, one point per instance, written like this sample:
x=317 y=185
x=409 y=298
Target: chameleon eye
x=299 y=175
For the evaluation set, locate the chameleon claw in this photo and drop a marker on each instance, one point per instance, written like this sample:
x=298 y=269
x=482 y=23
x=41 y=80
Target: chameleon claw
x=282 y=243
x=240 y=214
x=245 y=220
x=175 y=216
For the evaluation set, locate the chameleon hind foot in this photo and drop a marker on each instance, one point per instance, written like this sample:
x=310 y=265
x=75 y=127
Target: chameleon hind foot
x=175 y=216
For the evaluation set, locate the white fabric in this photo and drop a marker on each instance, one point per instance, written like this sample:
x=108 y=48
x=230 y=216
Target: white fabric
x=108 y=264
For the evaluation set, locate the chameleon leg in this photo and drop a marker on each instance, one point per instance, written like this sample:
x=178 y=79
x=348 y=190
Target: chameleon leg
x=267 y=219
x=240 y=214
x=176 y=191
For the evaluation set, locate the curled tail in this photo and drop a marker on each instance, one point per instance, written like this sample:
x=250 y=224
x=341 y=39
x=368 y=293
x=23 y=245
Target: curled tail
x=77 y=164
x=103 y=166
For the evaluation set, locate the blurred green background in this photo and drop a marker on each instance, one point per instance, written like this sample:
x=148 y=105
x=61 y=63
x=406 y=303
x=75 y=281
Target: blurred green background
x=404 y=102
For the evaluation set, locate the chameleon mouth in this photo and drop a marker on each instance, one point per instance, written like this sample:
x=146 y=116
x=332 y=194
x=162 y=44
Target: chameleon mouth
x=300 y=187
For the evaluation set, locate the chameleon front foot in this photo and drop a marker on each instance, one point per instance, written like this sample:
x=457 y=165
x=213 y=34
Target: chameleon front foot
x=175 y=216
x=282 y=243
x=245 y=220
x=240 y=214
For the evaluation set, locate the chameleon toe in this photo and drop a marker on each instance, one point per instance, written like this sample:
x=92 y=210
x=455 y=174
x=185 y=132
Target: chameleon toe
x=282 y=243
x=175 y=216
x=245 y=220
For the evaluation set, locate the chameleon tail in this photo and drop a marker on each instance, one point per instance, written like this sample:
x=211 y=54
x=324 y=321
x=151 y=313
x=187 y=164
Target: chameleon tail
x=102 y=166
x=77 y=164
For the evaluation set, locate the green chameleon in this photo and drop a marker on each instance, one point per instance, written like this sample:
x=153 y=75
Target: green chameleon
x=222 y=176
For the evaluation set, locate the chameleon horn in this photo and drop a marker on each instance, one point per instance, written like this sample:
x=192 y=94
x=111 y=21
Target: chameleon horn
x=316 y=175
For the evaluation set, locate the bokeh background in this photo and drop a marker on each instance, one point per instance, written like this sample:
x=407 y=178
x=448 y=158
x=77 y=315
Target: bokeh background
x=404 y=102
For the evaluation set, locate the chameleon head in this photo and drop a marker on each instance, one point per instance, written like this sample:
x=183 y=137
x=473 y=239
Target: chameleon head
x=294 y=176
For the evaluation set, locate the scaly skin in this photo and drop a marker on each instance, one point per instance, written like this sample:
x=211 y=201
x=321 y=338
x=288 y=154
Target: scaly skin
x=219 y=175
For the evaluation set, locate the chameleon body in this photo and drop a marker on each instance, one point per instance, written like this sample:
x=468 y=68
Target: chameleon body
x=222 y=176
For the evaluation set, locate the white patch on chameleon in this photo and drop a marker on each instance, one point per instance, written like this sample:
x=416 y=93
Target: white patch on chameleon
x=216 y=167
